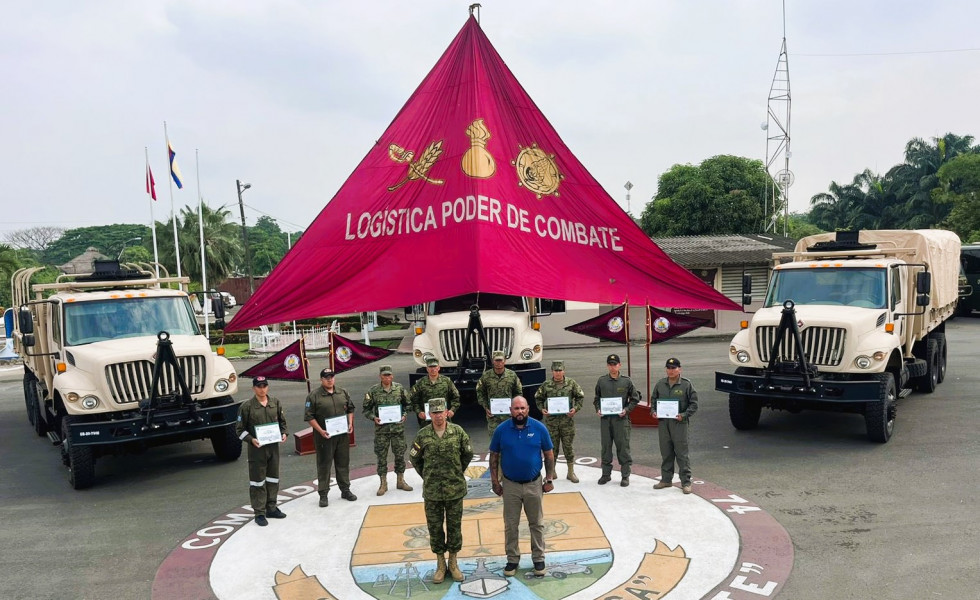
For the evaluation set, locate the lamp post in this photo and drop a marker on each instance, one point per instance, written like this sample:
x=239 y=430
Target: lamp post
x=125 y=245
x=248 y=257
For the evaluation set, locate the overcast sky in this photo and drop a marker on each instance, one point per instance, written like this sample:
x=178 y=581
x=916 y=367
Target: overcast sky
x=290 y=95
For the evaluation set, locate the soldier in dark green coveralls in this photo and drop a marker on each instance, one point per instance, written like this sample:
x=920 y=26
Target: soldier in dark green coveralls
x=388 y=393
x=615 y=428
x=440 y=454
x=673 y=432
x=561 y=427
x=498 y=382
x=263 y=461
x=433 y=386
x=326 y=402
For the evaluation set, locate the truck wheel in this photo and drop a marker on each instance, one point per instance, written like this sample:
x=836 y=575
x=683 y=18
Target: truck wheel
x=927 y=383
x=227 y=446
x=941 y=373
x=80 y=459
x=744 y=411
x=879 y=416
x=30 y=394
x=40 y=427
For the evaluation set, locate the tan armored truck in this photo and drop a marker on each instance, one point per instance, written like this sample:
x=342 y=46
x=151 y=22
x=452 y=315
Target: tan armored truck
x=114 y=362
x=851 y=322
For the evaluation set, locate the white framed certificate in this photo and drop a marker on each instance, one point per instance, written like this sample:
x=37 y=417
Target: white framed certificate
x=611 y=406
x=336 y=425
x=268 y=433
x=500 y=406
x=390 y=414
x=667 y=409
x=558 y=405
x=428 y=417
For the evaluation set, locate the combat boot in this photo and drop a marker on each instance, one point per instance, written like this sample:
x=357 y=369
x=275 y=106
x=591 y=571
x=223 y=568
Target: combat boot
x=402 y=484
x=454 y=568
x=571 y=473
x=440 y=573
x=383 y=488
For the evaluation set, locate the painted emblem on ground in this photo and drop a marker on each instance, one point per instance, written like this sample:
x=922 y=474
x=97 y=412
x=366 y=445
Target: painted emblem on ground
x=605 y=542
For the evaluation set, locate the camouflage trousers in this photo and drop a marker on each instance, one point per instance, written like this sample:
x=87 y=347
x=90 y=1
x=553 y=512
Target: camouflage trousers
x=449 y=512
x=386 y=437
x=562 y=431
x=493 y=421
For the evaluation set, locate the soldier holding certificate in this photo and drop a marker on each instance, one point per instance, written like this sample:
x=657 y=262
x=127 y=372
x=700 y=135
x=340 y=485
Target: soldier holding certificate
x=564 y=396
x=330 y=413
x=262 y=425
x=678 y=401
x=615 y=398
x=386 y=405
x=495 y=389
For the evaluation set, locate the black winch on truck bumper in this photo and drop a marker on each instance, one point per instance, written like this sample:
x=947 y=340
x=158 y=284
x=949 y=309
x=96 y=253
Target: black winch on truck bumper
x=793 y=388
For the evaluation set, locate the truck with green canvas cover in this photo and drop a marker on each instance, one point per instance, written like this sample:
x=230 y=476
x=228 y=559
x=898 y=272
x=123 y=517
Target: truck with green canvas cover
x=851 y=322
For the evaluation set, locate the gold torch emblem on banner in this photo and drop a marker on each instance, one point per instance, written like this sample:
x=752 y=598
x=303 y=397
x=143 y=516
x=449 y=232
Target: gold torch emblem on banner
x=417 y=169
x=477 y=161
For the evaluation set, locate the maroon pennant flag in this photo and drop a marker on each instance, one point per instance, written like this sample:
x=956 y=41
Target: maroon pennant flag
x=348 y=354
x=663 y=325
x=287 y=364
x=607 y=326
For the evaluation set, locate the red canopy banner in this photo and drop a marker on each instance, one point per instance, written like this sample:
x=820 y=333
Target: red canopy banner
x=609 y=325
x=347 y=354
x=663 y=325
x=289 y=364
x=471 y=185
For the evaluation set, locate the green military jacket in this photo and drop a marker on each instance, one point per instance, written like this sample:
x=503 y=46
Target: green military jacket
x=506 y=385
x=622 y=386
x=441 y=461
x=683 y=391
x=552 y=389
x=322 y=405
x=377 y=396
x=424 y=390
x=252 y=413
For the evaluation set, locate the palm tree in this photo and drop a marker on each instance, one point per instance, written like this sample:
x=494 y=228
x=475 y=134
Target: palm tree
x=222 y=242
x=912 y=182
x=831 y=210
x=874 y=205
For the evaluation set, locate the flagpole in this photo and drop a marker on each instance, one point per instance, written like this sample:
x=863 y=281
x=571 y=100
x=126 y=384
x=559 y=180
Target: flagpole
x=302 y=358
x=629 y=365
x=200 y=226
x=332 y=342
x=153 y=221
x=173 y=213
x=649 y=340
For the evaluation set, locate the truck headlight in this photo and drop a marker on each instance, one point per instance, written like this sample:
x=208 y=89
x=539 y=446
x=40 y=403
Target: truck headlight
x=90 y=402
x=862 y=362
x=72 y=397
x=742 y=356
x=221 y=385
x=418 y=353
x=527 y=354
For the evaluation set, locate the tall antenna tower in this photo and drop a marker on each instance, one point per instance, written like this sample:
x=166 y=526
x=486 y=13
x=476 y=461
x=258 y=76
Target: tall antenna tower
x=777 y=141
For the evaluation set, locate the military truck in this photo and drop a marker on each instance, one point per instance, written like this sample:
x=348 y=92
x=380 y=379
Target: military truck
x=114 y=362
x=464 y=331
x=851 y=322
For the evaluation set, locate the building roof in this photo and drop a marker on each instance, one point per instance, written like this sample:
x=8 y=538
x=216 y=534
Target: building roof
x=718 y=250
x=83 y=263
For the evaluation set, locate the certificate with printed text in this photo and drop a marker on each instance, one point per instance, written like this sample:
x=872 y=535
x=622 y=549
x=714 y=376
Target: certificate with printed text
x=336 y=425
x=667 y=409
x=268 y=433
x=611 y=406
x=390 y=414
x=558 y=405
x=428 y=417
x=500 y=406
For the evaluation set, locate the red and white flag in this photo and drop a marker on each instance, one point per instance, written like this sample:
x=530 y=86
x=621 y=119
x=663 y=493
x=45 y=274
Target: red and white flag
x=151 y=184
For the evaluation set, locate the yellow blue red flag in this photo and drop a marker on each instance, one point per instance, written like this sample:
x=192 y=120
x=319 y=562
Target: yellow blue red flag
x=174 y=169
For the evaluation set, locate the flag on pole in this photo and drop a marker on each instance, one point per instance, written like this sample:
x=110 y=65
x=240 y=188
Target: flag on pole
x=174 y=169
x=347 y=354
x=663 y=325
x=287 y=365
x=151 y=185
x=607 y=326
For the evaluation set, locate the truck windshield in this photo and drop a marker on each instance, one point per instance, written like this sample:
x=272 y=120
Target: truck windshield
x=847 y=287
x=100 y=320
x=484 y=300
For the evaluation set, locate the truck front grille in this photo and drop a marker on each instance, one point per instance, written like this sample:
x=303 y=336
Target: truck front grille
x=499 y=338
x=131 y=381
x=823 y=346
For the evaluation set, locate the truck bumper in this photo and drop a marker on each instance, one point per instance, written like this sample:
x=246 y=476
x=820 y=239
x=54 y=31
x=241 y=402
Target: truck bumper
x=164 y=423
x=786 y=387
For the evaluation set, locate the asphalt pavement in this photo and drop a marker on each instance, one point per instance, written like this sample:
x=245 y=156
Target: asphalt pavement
x=896 y=520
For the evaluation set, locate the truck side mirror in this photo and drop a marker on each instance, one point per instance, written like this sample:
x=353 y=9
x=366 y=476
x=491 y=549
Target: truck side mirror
x=218 y=307
x=414 y=313
x=25 y=321
x=922 y=300
x=746 y=289
x=923 y=282
x=28 y=340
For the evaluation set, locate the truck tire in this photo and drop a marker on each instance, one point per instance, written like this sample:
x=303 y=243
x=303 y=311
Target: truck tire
x=80 y=459
x=927 y=383
x=33 y=404
x=941 y=375
x=744 y=411
x=227 y=446
x=879 y=416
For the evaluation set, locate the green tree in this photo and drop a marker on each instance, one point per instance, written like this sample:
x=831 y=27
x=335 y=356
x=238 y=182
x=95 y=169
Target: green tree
x=9 y=262
x=223 y=247
x=721 y=195
x=108 y=239
x=914 y=180
x=959 y=188
x=267 y=243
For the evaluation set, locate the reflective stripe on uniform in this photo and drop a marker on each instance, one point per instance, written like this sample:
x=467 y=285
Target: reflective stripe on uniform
x=272 y=480
x=256 y=483
x=243 y=435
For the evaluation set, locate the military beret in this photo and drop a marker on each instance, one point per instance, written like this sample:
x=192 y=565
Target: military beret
x=558 y=365
x=437 y=405
x=386 y=370
x=613 y=359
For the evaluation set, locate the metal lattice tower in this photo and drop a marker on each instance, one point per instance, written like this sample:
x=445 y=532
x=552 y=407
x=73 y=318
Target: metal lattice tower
x=777 y=128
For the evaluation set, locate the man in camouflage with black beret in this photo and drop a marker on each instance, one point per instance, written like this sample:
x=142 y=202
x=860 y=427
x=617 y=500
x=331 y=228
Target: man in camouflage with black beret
x=561 y=426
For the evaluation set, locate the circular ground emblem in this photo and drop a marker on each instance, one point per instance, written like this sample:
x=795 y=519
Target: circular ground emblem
x=605 y=542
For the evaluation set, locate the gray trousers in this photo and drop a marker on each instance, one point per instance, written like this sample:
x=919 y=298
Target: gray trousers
x=527 y=496
x=616 y=430
x=673 y=446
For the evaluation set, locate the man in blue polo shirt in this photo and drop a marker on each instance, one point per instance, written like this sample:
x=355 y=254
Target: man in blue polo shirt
x=516 y=450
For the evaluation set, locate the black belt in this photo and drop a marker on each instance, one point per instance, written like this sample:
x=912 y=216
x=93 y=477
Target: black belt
x=536 y=477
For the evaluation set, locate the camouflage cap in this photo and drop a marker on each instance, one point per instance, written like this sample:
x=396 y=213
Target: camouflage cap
x=558 y=365
x=437 y=405
x=431 y=361
x=386 y=370
x=499 y=355
x=672 y=362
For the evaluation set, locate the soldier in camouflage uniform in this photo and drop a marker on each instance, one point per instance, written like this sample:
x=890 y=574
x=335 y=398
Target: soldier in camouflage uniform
x=388 y=393
x=263 y=461
x=498 y=382
x=440 y=454
x=561 y=426
x=433 y=386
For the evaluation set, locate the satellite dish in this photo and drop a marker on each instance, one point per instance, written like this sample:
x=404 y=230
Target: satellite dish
x=785 y=178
